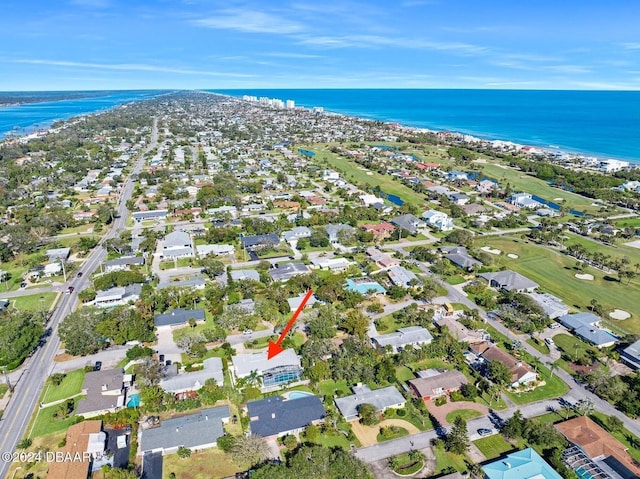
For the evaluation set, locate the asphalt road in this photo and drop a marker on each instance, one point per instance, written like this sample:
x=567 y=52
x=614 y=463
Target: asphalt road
x=27 y=391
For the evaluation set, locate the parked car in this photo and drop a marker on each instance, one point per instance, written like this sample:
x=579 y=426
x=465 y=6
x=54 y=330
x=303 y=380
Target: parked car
x=97 y=366
x=554 y=325
x=247 y=332
x=484 y=432
x=549 y=341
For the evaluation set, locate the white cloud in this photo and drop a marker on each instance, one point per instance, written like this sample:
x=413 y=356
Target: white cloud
x=292 y=55
x=250 y=22
x=631 y=45
x=132 y=67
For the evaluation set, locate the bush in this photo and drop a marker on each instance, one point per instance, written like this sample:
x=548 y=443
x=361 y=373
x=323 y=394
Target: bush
x=139 y=352
x=57 y=378
x=25 y=443
x=290 y=442
x=184 y=452
x=226 y=442
x=442 y=400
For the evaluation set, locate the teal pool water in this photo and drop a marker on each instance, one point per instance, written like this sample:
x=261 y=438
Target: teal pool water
x=299 y=395
x=134 y=400
x=581 y=473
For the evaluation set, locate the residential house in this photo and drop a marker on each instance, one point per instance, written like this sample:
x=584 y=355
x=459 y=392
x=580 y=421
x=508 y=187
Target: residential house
x=178 y=317
x=473 y=209
x=595 y=451
x=295 y=302
x=177 y=245
x=84 y=444
x=149 y=215
x=438 y=219
x=105 y=391
x=521 y=373
x=459 y=256
x=292 y=236
x=551 y=305
x=520 y=465
x=486 y=187
x=244 y=275
x=58 y=254
x=432 y=384
x=117 y=296
x=414 y=336
x=194 y=282
x=123 y=264
x=409 y=223
x=631 y=355
x=331 y=264
x=275 y=416
x=215 y=249
x=277 y=371
x=460 y=332
x=401 y=276
x=335 y=232
x=384 y=260
x=257 y=242
x=285 y=271
x=455 y=175
x=370 y=200
x=587 y=326
x=458 y=198
x=524 y=200
x=510 y=281
x=382 y=399
x=52 y=269
x=196 y=431
x=194 y=380
x=380 y=230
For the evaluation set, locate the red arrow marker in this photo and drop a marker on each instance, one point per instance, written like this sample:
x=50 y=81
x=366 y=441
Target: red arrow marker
x=275 y=348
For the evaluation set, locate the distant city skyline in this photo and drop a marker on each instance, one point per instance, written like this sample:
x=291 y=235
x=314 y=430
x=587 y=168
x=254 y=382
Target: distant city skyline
x=211 y=44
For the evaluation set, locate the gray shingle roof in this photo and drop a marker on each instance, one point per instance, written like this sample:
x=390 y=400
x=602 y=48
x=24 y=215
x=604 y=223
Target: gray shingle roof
x=193 y=430
x=404 y=336
x=380 y=398
x=178 y=316
x=212 y=369
x=244 y=364
x=276 y=416
x=243 y=274
x=448 y=380
x=286 y=271
x=104 y=388
x=509 y=280
x=259 y=240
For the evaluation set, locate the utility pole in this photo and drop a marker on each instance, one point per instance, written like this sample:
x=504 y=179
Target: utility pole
x=64 y=270
x=7 y=380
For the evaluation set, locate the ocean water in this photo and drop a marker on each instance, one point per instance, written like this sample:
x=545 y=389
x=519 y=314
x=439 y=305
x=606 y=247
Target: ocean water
x=599 y=123
x=32 y=116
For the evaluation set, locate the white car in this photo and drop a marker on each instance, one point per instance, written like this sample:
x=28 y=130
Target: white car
x=247 y=332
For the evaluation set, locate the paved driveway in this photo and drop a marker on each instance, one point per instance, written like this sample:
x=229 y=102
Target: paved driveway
x=167 y=346
x=152 y=465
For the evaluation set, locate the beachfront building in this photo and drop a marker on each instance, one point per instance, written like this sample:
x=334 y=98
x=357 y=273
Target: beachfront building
x=611 y=166
x=438 y=219
x=275 y=372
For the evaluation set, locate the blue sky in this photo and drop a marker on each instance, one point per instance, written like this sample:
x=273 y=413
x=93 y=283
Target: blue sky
x=124 y=44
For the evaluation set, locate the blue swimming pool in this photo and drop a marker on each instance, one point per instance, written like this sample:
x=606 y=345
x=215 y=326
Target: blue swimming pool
x=134 y=400
x=298 y=395
x=582 y=474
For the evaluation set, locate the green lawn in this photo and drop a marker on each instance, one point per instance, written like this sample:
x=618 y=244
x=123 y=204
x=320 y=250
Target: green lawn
x=493 y=446
x=404 y=374
x=334 y=440
x=46 y=422
x=446 y=459
x=529 y=184
x=386 y=324
x=465 y=414
x=628 y=223
x=3 y=390
x=397 y=432
x=329 y=387
x=621 y=251
x=554 y=387
x=207 y=464
x=453 y=280
x=539 y=345
x=33 y=302
x=358 y=174
x=71 y=385
x=11 y=281
x=572 y=346
x=422 y=421
x=555 y=274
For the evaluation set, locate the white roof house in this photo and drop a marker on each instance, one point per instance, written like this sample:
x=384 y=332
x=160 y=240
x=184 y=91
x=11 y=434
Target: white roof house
x=524 y=200
x=401 y=276
x=215 y=249
x=381 y=399
x=403 y=337
x=370 y=200
x=177 y=245
x=212 y=369
x=438 y=219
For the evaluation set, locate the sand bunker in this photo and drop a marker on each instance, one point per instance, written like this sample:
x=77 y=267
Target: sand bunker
x=619 y=314
x=634 y=244
x=491 y=250
x=512 y=256
x=585 y=276
x=558 y=199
